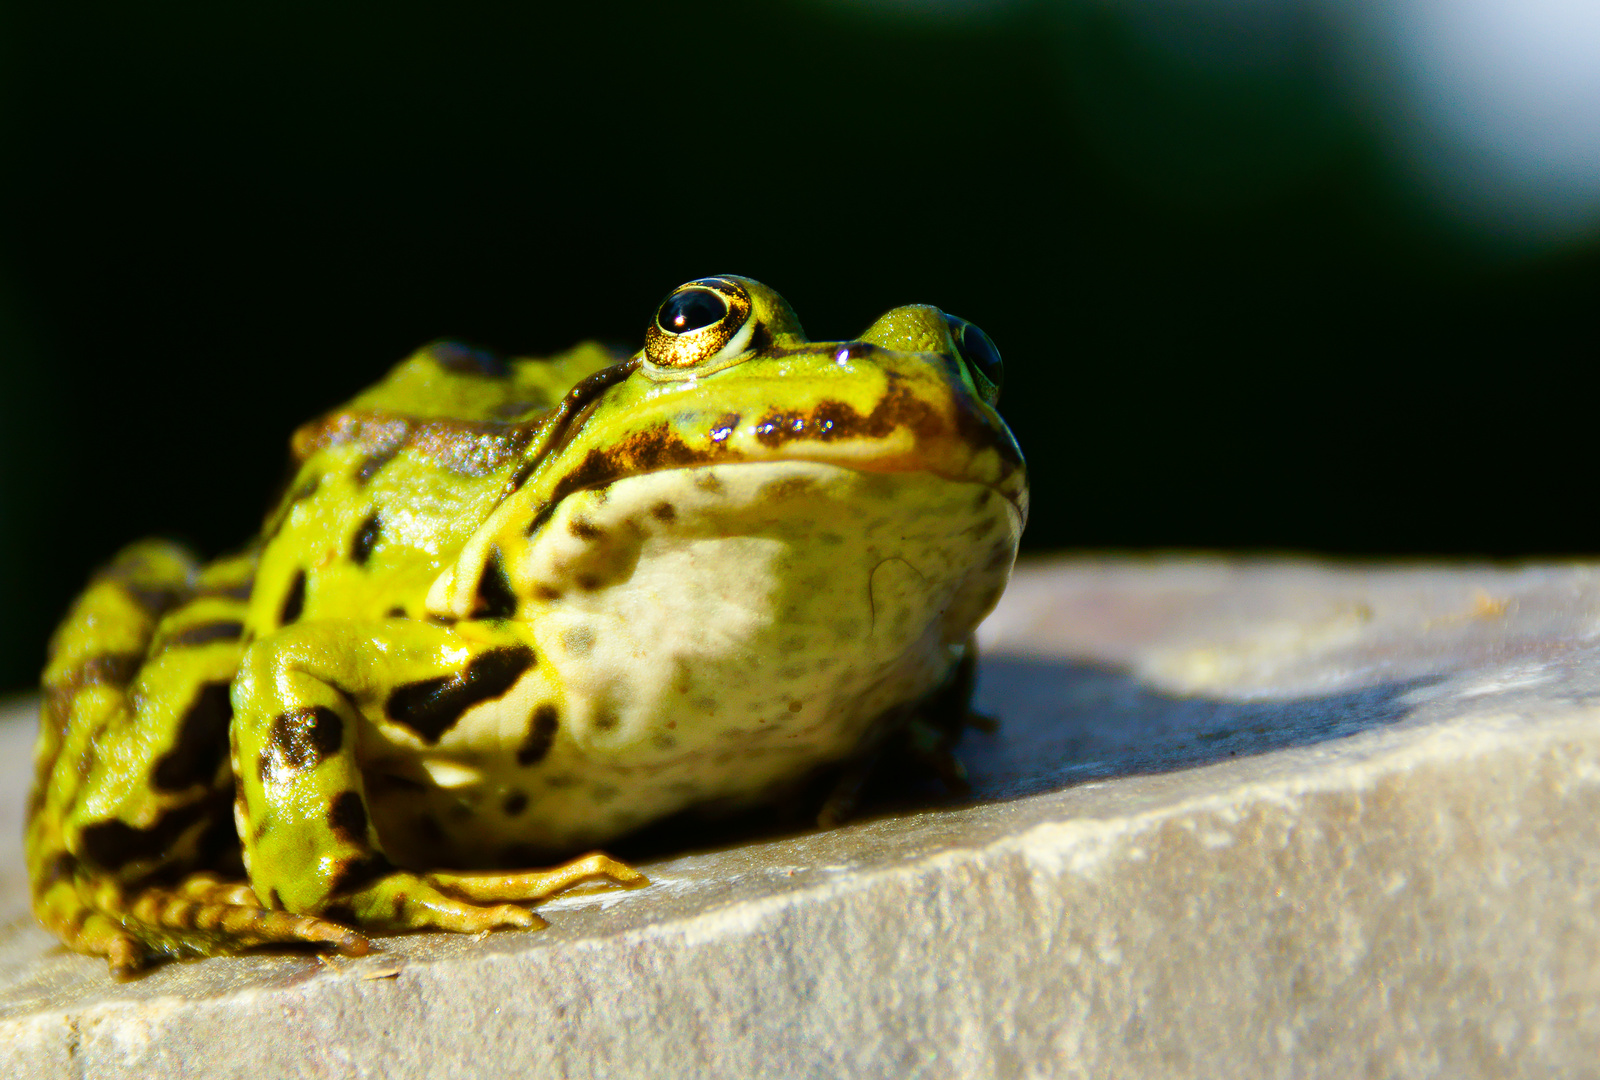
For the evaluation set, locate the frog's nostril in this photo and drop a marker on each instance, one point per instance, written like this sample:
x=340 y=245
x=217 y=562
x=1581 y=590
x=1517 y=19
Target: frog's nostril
x=690 y=310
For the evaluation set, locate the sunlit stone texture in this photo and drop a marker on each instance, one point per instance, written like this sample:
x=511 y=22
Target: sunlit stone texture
x=1258 y=819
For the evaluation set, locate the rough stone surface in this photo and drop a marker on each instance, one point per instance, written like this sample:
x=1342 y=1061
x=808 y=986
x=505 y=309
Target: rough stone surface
x=1242 y=819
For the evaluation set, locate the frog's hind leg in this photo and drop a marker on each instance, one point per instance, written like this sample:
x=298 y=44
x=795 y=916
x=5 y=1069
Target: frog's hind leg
x=132 y=785
x=201 y=916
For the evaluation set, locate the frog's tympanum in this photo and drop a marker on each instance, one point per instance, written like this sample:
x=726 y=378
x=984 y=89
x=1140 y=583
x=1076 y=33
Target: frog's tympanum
x=509 y=610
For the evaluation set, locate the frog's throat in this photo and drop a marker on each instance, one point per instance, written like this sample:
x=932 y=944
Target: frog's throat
x=717 y=629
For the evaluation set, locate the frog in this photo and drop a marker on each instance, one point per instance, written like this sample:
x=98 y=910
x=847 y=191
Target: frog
x=507 y=611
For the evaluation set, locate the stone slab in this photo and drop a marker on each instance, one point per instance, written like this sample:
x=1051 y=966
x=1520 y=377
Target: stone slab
x=1242 y=819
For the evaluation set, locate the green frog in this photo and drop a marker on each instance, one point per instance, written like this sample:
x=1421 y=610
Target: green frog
x=509 y=610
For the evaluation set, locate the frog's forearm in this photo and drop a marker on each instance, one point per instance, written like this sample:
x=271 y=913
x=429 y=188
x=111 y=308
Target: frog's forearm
x=303 y=817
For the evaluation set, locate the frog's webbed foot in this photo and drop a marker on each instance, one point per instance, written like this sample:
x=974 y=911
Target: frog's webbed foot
x=470 y=902
x=201 y=916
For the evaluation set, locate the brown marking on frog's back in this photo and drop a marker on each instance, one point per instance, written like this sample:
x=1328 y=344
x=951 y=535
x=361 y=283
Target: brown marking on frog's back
x=515 y=803
x=463 y=359
x=470 y=448
x=430 y=707
x=201 y=744
x=105 y=669
x=366 y=538
x=204 y=634
x=373 y=463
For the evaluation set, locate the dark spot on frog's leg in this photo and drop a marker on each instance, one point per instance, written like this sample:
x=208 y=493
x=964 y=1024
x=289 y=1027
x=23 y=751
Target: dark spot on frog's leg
x=664 y=511
x=201 y=743
x=294 y=601
x=301 y=738
x=496 y=600
x=365 y=538
x=430 y=707
x=347 y=817
x=205 y=633
x=357 y=873
x=583 y=529
x=114 y=844
x=709 y=482
x=60 y=867
x=515 y=803
x=541 y=731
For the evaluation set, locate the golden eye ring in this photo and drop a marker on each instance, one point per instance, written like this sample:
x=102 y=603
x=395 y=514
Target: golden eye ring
x=700 y=321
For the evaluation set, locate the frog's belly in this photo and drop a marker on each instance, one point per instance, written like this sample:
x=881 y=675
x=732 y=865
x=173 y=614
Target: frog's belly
x=718 y=633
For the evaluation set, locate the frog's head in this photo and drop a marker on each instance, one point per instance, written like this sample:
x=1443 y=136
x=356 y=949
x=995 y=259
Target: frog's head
x=730 y=424
x=727 y=375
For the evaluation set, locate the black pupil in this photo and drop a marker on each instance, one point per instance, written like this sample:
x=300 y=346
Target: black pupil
x=691 y=309
x=978 y=349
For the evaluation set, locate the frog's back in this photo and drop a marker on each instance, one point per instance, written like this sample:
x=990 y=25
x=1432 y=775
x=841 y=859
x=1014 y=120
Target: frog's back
x=133 y=782
x=388 y=487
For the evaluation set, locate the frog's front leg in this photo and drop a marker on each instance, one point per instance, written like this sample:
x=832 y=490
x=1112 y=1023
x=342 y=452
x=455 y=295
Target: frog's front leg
x=303 y=699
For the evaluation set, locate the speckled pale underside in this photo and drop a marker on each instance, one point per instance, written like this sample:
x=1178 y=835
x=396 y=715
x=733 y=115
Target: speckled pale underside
x=506 y=611
x=750 y=638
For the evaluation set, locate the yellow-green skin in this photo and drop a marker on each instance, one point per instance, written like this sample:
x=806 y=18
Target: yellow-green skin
x=504 y=613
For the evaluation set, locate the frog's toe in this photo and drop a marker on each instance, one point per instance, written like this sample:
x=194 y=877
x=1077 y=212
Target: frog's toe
x=205 y=916
x=102 y=936
x=529 y=885
x=211 y=889
x=406 y=901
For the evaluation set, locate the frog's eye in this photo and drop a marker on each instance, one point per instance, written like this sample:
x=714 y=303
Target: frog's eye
x=979 y=351
x=704 y=320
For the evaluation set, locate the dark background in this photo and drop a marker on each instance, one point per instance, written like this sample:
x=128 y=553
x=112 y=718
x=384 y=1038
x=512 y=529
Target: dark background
x=1233 y=316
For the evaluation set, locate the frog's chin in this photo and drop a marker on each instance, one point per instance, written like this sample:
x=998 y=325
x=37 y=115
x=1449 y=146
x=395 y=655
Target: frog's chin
x=787 y=603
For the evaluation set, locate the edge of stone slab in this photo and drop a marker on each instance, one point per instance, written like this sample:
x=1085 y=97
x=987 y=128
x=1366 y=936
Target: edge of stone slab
x=55 y=1041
